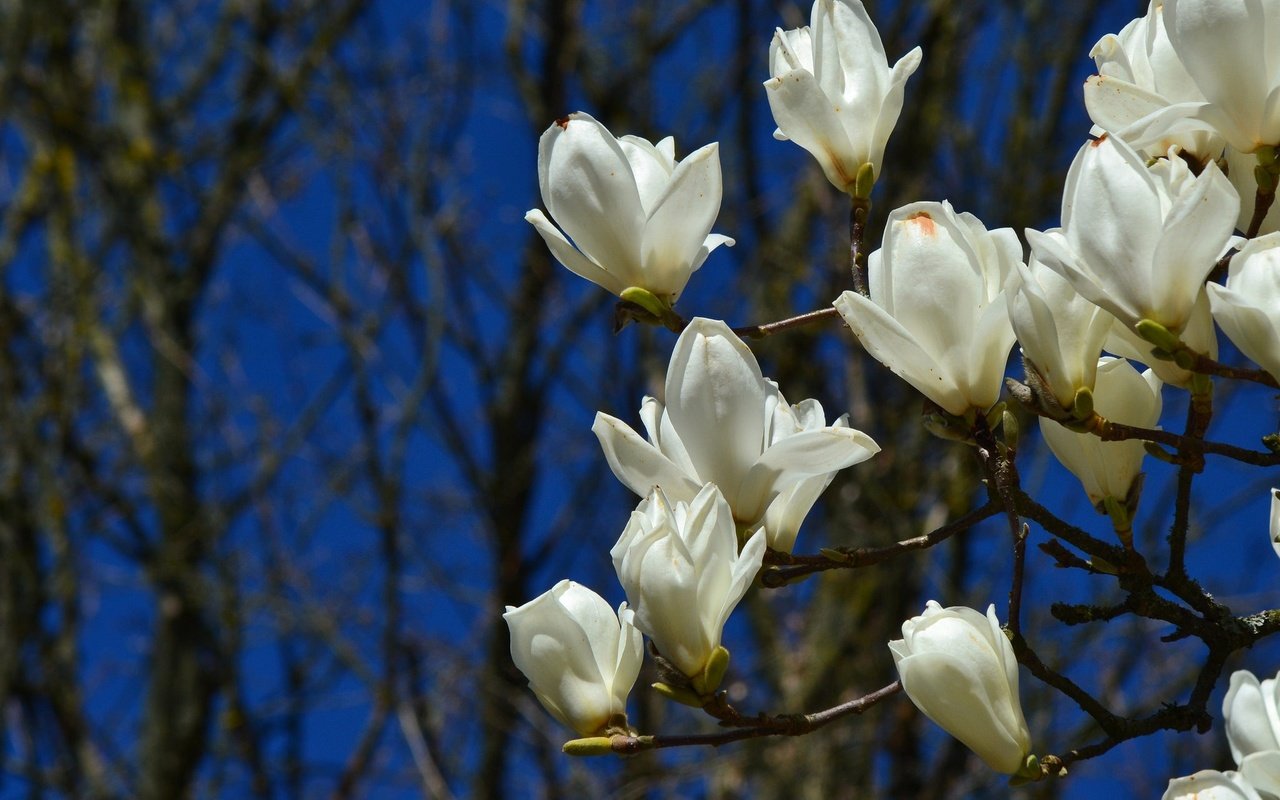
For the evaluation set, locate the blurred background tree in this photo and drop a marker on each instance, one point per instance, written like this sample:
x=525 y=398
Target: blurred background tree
x=293 y=402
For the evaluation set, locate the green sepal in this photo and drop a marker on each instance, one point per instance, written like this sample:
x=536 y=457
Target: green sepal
x=1159 y=453
x=1158 y=335
x=1201 y=385
x=1082 y=403
x=1029 y=772
x=679 y=694
x=1265 y=178
x=1121 y=520
x=1009 y=426
x=713 y=671
x=1266 y=155
x=590 y=746
x=647 y=300
x=945 y=426
x=996 y=415
x=831 y=554
x=865 y=181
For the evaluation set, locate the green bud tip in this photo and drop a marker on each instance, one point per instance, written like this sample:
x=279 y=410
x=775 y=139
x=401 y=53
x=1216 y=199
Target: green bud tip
x=865 y=181
x=1082 y=403
x=1158 y=335
x=1029 y=772
x=679 y=694
x=713 y=673
x=590 y=746
x=647 y=300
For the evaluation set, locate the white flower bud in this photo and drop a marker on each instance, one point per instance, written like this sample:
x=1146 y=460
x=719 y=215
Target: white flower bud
x=1247 y=308
x=958 y=667
x=832 y=91
x=680 y=566
x=937 y=315
x=1108 y=469
x=636 y=216
x=580 y=658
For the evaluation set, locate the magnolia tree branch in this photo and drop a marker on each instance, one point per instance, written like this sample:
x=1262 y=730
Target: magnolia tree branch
x=784 y=568
x=753 y=727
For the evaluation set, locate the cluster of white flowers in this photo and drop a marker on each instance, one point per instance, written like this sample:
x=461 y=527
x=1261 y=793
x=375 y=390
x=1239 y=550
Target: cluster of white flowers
x=729 y=467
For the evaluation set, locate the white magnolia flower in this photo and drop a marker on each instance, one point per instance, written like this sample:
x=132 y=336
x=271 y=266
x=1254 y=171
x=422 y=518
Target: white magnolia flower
x=832 y=91
x=937 y=315
x=680 y=566
x=635 y=216
x=958 y=667
x=581 y=659
x=1061 y=333
x=1209 y=784
x=1139 y=78
x=1275 y=520
x=1251 y=715
x=1248 y=307
x=724 y=423
x=1108 y=469
x=1231 y=49
x=1139 y=241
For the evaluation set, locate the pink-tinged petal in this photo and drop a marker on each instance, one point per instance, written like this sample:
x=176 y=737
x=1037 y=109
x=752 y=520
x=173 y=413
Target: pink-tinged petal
x=680 y=220
x=567 y=255
x=807 y=117
x=638 y=464
x=892 y=345
x=590 y=191
x=715 y=397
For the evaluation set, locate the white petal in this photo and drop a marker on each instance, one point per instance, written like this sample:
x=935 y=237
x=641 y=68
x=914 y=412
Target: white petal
x=892 y=345
x=567 y=255
x=590 y=191
x=715 y=398
x=680 y=221
x=796 y=458
x=639 y=465
x=808 y=118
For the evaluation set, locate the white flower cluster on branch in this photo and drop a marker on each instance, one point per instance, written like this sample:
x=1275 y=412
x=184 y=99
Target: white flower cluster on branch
x=1168 y=197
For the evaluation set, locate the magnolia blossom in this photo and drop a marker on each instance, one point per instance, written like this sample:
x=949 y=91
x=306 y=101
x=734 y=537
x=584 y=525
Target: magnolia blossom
x=1139 y=241
x=1108 y=469
x=1251 y=715
x=1209 y=784
x=1061 y=333
x=580 y=658
x=958 y=667
x=1248 y=307
x=1139 y=77
x=1231 y=49
x=725 y=423
x=680 y=566
x=636 y=216
x=937 y=315
x=832 y=91
x=1275 y=520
